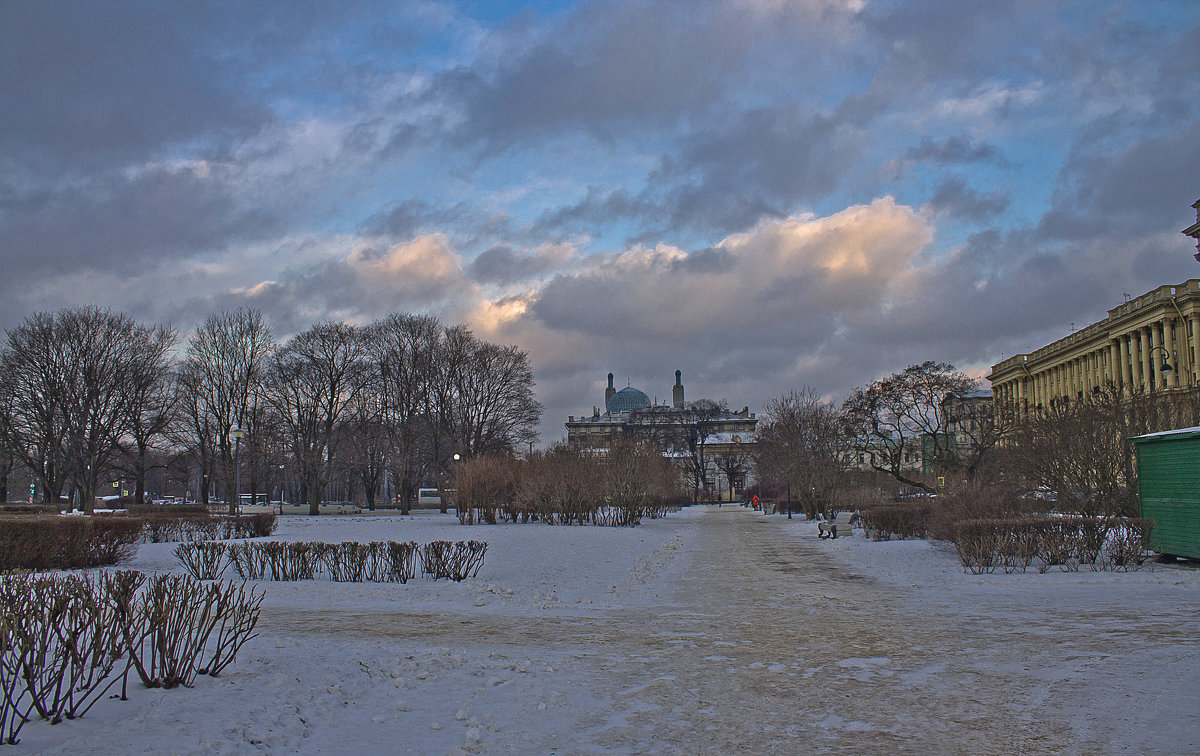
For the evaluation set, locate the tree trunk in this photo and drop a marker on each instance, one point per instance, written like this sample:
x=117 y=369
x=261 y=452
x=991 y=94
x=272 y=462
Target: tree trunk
x=369 y=493
x=139 y=482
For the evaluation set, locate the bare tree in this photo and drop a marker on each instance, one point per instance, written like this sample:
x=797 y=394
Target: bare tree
x=367 y=442
x=482 y=399
x=800 y=445
x=404 y=349
x=893 y=414
x=1080 y=449
x=493 y=410
x=151 y=409
x=696 y=426
x=34 y=379
x=312 y=383
x=222 y=372
x=734 y=465
x=76 y=377
x=973 y=430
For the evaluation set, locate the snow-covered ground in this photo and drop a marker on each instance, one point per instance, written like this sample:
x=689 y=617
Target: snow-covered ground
x=714 y=630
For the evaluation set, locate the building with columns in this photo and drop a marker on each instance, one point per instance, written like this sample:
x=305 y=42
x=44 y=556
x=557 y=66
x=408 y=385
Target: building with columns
x=1127 y=350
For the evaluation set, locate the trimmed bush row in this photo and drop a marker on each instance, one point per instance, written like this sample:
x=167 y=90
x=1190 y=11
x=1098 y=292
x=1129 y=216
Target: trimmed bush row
x=1101 y=543
x=1001 y=533
x=65 y=640
x=168 y=529
x=52 y=543
x=58 y=543
x=349 y=561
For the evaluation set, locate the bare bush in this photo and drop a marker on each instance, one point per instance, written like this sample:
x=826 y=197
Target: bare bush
x=63 y=638
x=978 y=544
x=484 y=486
x=1128 y=545
x=62 y=643
x=402 y=559
x=1063 y=542
x=247 y=560
x=346 y=562
x=457 y=561
x=237 y=612
x=47 y=543
x=177 y=618
x=204 y=560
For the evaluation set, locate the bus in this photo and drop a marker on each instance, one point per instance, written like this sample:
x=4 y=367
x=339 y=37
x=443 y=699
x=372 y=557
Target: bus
x=428 y=497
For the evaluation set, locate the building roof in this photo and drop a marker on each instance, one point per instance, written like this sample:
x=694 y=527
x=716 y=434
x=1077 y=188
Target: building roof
x=981 y=393
x=627 y=399
x=1167 y=435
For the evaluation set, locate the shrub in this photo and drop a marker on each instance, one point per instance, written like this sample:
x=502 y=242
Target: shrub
x=204 y=560
x=62 y=636
x=1128 y=545
x=50 y=543
x=1064 y=542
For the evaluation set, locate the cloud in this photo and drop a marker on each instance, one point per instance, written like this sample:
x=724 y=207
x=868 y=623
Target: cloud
x=955 y=197
x=125 y=220
x=73 y=103
x=503 y=265
x=792 y=281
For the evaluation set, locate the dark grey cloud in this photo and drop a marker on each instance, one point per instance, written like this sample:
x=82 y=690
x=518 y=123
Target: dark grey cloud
x=1131 y=191
x=598 y=208
x=91 y=84
x=954 y=150
x=763 y=162
x=121 y=222
x=955 y=197
x=709 y=260
x=504 y=265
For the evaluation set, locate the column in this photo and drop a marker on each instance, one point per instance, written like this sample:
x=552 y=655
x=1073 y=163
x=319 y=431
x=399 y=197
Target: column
x=1172 y=379
x=1114 y=362
x=1135 y=360
x=1154 y=358
x=1190 y=339
x=1123 y=363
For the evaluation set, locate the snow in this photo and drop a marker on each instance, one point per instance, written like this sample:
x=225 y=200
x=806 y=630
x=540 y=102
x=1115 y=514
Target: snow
x=716 y=629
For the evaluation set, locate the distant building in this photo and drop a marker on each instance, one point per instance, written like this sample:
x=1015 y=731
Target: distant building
x=970 y=419
x=1126 y=350
x=726 y=437
x=1146 y=344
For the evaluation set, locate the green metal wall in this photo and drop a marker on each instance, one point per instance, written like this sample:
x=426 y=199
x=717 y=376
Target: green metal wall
x=1169 y=490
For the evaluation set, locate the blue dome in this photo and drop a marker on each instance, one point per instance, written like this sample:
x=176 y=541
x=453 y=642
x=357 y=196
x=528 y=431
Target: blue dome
x=627 y=399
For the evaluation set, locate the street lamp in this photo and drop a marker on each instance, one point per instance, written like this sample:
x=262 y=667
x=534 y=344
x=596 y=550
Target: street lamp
x=236 y=433
x=1165 y=368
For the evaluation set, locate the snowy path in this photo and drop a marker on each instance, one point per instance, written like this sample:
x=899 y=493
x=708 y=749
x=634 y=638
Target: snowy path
x=731 y=633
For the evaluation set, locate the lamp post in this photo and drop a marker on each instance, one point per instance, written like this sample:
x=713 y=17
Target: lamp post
x=1165 y=368
x=236 y=434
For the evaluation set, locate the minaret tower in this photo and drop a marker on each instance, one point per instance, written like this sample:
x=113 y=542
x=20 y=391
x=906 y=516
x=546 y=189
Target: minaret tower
x=677 y=391
x=608 y=392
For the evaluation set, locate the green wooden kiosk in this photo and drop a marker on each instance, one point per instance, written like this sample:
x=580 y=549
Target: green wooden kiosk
x=1169 y=489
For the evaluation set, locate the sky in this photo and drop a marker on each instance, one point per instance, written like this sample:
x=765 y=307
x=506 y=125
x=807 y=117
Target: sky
x=764 y=194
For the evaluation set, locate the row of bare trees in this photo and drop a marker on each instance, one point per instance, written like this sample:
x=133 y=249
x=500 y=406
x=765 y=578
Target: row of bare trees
x=89 y=394
x=568 y=486
x=923 y=423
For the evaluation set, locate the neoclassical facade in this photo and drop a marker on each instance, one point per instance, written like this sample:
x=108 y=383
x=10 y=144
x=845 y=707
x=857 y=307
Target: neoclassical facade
x=1128 y=349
